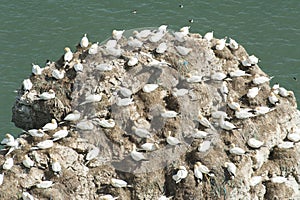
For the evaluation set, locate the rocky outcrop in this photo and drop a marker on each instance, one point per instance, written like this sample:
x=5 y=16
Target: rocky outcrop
x=164 y=85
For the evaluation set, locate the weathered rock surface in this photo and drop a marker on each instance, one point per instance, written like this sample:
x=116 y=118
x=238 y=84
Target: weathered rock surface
x=106 y=73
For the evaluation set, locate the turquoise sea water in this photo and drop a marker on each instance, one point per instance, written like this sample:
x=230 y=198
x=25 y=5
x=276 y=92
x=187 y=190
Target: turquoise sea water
x=34 y=31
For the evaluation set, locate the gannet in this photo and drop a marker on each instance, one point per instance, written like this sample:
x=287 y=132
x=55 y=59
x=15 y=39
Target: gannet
x=226 y=125
x=117 y=34
x=180 y=36
x=162 y=47
x=27 y=162
x=46 y=144
x=111 y=44
x=275 y=88
x=36 y=132
x=183 y=50
x=72 y=117
x=36 y=69
x=155 y=37
x=221 y=43
x=135 y=43
x=209 y=36
x=260 y=79
x=168 y=114
x=262 y=110
x=194 y=78
x=118 y=183
x=199 y=134
x=163 y=197
x=278 y=179
x=94 y=48
x=27 y=196
x=231 y=168
x=124 y=102
x=253 y=59
x=238 y=73
x=198 y=174
x=179 y=92
x=107 y=197
x=162 y=28
x=224 y=90
x=57 y=74
x=60 y=134
x=27 y=84
x=286 y=145
x=203 y=121
x=143 y=133
x=92 y=98
x=254 y=143
x=84 y=43
x=104 y=67
x=47 y=95
x=107 y=123
x=204 y=146
x=202 y=168
x=273 y=99
x=1 y=178
x=233 y=105
x=92 y=154
x=50 y=126
x=284 y=93
x=253 y=92
x=133 y=60
x=254 y=180
x=78 y=67
x=294 y=137
x=218 y=76
x=142 y=35
x=236 y=150
x=44 y=184
x=9 y=139
x=218 y=114
x=125 y=92
x=148 y=146
x=68 y=55
x=244 y=113
x=135 y=155
x=181 y=174
x=185 y=30
x=8 y=164
x=233 y=44
x=172 y=140
x=55 y=166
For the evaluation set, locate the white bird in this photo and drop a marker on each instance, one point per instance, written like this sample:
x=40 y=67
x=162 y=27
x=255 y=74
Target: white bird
x=218 y=114
x=183 y=50
x=50 y=126
x=84 y=43
x=238 y=73
x=185 y=30
x=203 y=121
x=104 y=67
x=273 y=99
x=107 y=123
x=162 y=28
x=202 y=168
x=93 y=49
x=133 y=60
x=217 y=76
x=172 y=140
x=60 y=134
x=72 y=117
x=155 y=37
x=221 y=43
x=209 y=36
x=254 y=180
x=143 y=133
x=278 y=179
x=57 y=74
x=44 y=184
x=262 y=110
x=47 y=95
x=68 y=55
x=27 y=84
x=148 y=146
x=194 y=78
x=92 y=98
x=275 y=88
x=224 y=90
x=294 y=137
x=226 y=125
x=27 y=196
x=27 y=162
x=180 y=36
x=117 y=34
x=284 y=93
x=181 y=174
x=8 y=140
x=253 y=59
x=244 y=113
x=286 y=145
x=1 y=178
x=197 y=172
x=180 y=92
x=124 y=102
x=162 y=47
x=204 y=146
x=8 y=164
x=46 y=144
x=169 y=114
x=231 y=168
x=107 y=197
x=233 y=44
x=260 y=79
x=253 y=92
x=236 y=150
x=36 y=69
x=200 y=134
x=142 y=35
x=92 y=154
x=55 y=166
x=135 y=155
x=135 y=43
x=163 y=197
x=233 y=105
x=254 y=143
x=78 y=66
x=125 y=92
x=118 y=183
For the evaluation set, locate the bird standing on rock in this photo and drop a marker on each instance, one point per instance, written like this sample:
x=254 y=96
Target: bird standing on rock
x=68 y=55
x=84 y=43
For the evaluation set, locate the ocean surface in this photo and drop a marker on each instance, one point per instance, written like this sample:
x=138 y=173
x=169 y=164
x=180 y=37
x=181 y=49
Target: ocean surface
x=33 y=31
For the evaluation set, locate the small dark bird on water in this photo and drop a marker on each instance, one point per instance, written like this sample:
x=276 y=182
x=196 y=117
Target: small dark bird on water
x=180 y=6
x=134 y=11
x=191 y=20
